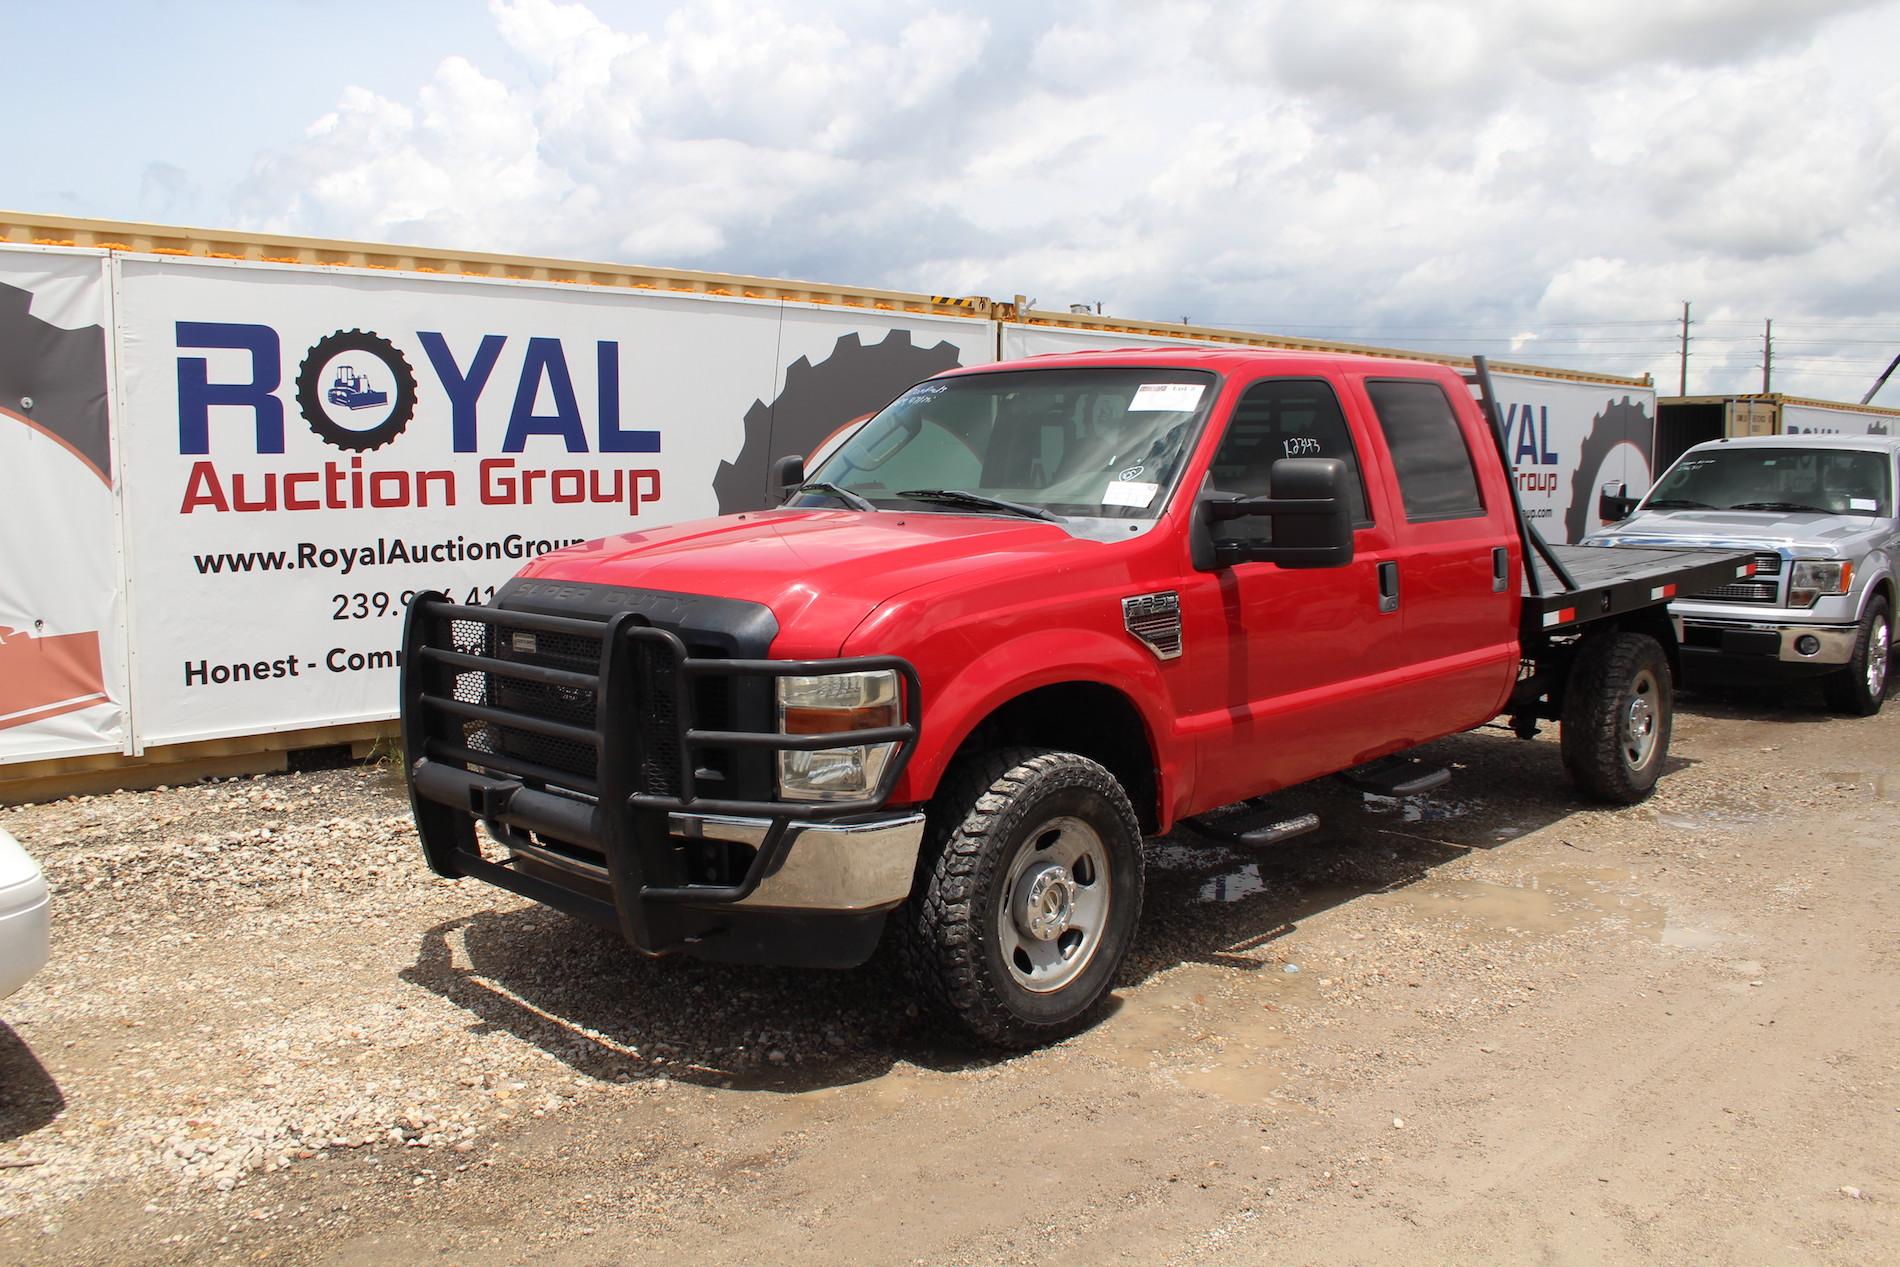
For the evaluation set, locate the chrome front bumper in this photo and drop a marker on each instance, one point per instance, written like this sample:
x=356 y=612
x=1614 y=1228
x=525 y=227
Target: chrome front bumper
x=1833 y=644
x=861 y=866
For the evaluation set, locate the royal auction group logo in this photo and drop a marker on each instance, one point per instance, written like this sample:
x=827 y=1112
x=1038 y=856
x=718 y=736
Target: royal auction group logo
x=357 y=392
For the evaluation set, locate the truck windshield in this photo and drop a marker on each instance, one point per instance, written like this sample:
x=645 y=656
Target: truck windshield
x=1105 y=443
x=1777 y=480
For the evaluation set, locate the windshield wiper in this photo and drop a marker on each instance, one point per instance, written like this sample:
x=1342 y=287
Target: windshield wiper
x=1677 y=503
x=1793 y=506
x=844 y=495
x=963 y=497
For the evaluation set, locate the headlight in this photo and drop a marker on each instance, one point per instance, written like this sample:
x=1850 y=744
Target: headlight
x=1813 y=579
x=825 y=705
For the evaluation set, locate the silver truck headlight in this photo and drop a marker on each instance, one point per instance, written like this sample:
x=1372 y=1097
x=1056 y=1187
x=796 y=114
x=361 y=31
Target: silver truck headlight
x=1813 y=578
x=826 y=704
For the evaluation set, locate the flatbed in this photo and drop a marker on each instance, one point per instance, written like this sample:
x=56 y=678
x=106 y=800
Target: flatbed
x=1609 y=581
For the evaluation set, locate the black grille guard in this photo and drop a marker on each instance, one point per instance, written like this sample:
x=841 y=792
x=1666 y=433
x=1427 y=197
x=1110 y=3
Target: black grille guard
x=452 y=786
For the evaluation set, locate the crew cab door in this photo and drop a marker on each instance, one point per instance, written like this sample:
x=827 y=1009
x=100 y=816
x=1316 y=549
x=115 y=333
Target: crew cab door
x=1453 y=565
x=1274 y=681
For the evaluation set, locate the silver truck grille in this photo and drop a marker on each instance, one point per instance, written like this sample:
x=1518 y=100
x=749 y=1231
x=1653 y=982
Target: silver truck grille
x=1767 y=565
x=1742 y=592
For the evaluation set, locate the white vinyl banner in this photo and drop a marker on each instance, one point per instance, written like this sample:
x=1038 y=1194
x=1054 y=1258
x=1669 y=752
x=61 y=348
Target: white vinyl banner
x=1566 y=439
x=304 y=450
x=1817 y=420
x=1019 y=341
x=62 y=619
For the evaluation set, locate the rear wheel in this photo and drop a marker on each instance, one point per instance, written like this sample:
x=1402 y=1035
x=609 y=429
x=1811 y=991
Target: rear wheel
x=1028 y=898
x=1618 y=709
x=1861 y=687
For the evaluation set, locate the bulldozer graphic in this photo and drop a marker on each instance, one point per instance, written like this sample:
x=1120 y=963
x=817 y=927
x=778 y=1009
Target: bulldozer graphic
x=353 y=391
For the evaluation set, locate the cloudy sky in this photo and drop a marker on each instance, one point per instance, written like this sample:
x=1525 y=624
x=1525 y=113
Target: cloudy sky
x=1547 y=180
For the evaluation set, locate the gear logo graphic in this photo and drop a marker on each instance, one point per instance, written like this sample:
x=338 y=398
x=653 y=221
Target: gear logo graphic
x=855 y=380
x=1622 y=425
x=356 y=390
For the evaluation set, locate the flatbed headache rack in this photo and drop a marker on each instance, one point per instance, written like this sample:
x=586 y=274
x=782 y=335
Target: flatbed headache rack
x=1570 y=585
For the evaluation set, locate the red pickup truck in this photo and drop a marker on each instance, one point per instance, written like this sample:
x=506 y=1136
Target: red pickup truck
x=1026 y=616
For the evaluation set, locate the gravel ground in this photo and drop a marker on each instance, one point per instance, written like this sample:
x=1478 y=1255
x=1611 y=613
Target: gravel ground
x=268 y=1033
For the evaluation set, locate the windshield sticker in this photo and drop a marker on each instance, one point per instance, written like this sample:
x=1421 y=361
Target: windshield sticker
x=1166 y=397
x=924 y=391
x=1862 y=503
x=1132 y=473
x=1131 y=492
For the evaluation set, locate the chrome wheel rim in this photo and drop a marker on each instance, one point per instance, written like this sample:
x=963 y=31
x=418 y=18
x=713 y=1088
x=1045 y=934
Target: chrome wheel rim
x=1877 y=649
x=1052 y=907
x=1642 y=715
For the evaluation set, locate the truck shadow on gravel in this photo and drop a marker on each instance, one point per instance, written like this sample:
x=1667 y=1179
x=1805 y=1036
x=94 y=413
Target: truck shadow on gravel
x=581 y=995
x=29 y=1098
x=1772 y=703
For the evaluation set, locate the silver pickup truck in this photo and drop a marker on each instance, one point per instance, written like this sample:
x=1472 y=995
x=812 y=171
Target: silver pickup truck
x=1819 y=512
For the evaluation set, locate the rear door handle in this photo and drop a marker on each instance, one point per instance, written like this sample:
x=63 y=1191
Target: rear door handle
x=1500 y=569
x=1389 y=586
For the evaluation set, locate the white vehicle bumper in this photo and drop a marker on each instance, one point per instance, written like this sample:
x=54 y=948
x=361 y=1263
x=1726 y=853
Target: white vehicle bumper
x=24 y=910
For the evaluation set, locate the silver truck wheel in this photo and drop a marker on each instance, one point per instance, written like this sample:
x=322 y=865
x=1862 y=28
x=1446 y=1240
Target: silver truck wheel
x=1027 y=895
x=1861 y=688
x=1053 y=904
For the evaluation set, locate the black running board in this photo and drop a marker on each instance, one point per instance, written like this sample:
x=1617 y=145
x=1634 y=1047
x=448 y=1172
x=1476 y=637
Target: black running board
x=1271 y=834
x=1395 y=777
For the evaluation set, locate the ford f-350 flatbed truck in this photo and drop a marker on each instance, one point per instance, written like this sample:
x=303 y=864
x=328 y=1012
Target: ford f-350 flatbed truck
x=1028 y=615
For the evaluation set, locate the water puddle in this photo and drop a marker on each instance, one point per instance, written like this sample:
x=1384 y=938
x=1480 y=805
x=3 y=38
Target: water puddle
x=1677 y=937
x=903 y=1085
x=1548 y=904
x=1418 y=809
x=1176 y=855
x=1711 y=820
x=1207 y=1029
x=1884 y=787
x=1235 y=885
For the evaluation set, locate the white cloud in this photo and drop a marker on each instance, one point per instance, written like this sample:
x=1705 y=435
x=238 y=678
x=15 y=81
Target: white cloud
x=1486 y=167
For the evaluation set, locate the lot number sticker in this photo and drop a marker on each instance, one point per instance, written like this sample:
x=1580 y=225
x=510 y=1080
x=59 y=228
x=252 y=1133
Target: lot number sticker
x=1166 y=396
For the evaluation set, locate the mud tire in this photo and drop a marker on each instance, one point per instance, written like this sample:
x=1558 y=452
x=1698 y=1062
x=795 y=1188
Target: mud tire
x=984 y=815
x=1606 y=753
x=1850 y=691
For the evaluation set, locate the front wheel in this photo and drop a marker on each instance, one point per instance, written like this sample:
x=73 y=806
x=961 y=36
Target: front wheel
x=1859 y=689
x=1028 y=899
x=1618 y=710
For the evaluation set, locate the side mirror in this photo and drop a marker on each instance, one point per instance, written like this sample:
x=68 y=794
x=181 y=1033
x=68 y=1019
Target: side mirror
x=786 y=472
x=1614 y=502
x=1310 y=514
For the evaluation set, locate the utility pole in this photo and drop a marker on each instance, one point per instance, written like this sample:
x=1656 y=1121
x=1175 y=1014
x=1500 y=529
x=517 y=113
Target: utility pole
x=1682 y=388
x=1767 y=355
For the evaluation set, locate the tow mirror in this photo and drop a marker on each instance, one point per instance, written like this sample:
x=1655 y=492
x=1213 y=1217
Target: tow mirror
x=1310 y=515
x=787 y=472
x=1614 y=502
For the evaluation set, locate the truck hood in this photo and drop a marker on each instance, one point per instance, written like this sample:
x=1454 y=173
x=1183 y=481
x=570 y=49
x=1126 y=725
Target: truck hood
x=821 y=572
x=1813 y=533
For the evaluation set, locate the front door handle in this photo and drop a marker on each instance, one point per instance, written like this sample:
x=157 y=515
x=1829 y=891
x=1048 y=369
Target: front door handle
x=1389 y=586
x=1500 y=569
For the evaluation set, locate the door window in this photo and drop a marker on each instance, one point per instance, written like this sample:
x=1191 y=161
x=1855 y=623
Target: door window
x=1436 y=477
x=1283 y=418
